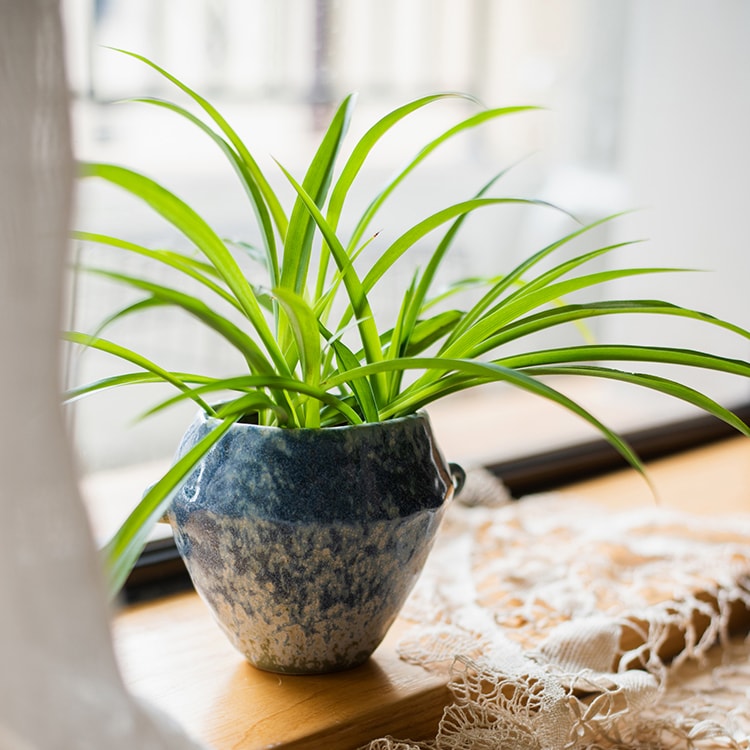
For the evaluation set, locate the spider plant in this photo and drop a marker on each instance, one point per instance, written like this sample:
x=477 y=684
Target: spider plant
x=315 y=355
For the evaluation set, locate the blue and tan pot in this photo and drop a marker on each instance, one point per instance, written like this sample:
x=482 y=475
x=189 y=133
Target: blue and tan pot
x=305 y=543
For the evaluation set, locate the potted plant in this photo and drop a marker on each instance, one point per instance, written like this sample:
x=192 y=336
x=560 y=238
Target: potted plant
x=308 y=482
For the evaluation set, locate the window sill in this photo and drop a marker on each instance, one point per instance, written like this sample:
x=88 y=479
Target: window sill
x=173 y=654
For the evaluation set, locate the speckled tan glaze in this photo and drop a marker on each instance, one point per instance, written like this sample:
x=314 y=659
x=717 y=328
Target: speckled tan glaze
x=305 y=553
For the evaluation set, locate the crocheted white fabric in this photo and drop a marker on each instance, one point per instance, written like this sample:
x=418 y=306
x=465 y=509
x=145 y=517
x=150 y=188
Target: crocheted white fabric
x=568 y=626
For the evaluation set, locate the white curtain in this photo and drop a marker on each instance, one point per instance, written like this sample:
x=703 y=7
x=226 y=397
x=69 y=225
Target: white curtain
x=59 y=682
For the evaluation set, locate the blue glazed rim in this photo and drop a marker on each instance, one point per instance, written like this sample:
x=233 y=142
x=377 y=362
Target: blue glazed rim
x=422 y=416
x=457 y=473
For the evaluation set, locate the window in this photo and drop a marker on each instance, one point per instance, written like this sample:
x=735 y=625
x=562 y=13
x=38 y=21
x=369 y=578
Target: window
x=648 y=107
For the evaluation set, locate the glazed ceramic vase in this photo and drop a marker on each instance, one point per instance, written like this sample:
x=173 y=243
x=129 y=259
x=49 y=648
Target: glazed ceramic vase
x=305 y=543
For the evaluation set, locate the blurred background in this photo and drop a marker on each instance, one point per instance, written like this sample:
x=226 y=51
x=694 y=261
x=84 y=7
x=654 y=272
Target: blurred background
x=646 y=105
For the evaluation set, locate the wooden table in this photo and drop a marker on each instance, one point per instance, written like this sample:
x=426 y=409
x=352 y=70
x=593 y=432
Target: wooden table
x=173 y=654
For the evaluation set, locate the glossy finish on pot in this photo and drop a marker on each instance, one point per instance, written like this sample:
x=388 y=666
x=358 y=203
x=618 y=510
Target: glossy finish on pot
x=305 y=543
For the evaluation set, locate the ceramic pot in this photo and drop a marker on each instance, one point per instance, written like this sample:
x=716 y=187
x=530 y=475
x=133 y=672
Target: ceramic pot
x=305 y=543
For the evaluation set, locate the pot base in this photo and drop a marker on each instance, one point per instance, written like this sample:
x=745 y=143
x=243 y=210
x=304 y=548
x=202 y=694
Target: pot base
x=305 y=598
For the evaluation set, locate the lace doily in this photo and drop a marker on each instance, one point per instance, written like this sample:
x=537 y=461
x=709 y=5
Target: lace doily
x=565 y=625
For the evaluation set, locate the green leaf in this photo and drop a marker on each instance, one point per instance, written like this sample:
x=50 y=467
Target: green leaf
x=136 y=359
x=248 y=178
x=429 y=331
x=370 y=139
x=274 y=383
x=653 y=382
x=130 y=378
x=458 y=287
x=361 y=389
x=304 y=327
x=123 y=550
x=399 y=336
x=251 y=403
x=268 y=194
x=468 y=123
x=298 y=243
x=203 y=273
x=184 y=218
x=524 y=327
x=191 y=267
x=356 y=161
x=198 y=308
x=474 y=341
x=515 y=276
x=417 y=232
x=142 y=305
x=426 y=332
x=424 y=227
x=414 y=300
x=627 y=353
x=325 y=300
x=488 y=372
x=357 y=298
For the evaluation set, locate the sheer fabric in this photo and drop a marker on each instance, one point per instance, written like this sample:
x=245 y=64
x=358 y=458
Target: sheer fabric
x=59 y=683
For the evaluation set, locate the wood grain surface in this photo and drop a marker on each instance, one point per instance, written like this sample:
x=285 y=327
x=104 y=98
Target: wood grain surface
x=172 y=653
